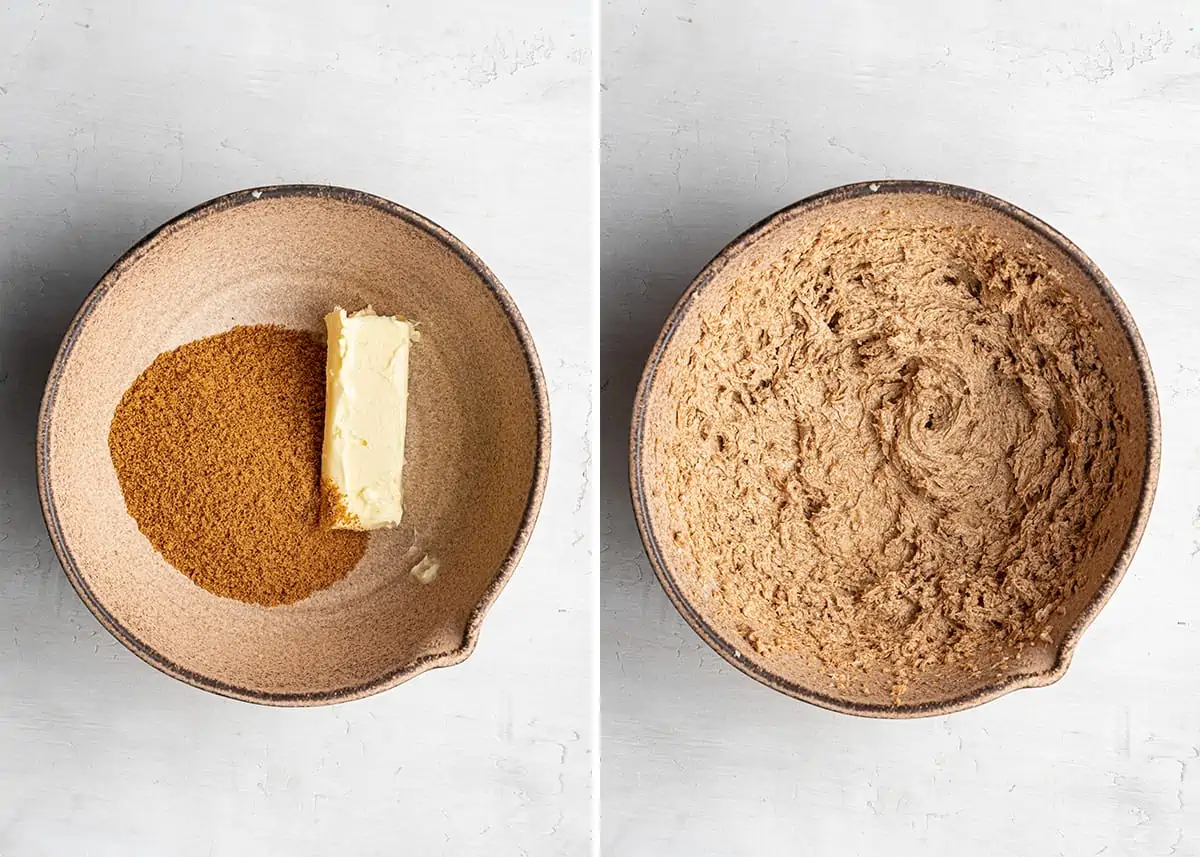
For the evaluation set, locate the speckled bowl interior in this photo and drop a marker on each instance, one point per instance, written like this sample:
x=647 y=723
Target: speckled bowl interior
x=795 y=671
x=478 y=442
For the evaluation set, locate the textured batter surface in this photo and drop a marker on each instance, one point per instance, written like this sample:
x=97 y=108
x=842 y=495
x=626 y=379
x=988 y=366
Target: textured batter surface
x=892 y=449
x=217 y=448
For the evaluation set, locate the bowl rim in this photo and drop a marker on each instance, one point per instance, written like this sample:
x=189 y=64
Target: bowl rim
x=424 y=663
x=988 y=692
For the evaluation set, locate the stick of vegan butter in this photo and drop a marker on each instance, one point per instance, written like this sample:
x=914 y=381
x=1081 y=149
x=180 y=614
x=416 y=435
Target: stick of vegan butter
x=366 y=404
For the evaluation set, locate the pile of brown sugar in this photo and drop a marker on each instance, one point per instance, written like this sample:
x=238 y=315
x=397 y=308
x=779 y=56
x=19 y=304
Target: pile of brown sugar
x=891 y=449
x=217 y=447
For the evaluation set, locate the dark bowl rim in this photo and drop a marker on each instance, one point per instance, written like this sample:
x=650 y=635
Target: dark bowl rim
x=250 y=196
x=1137 y=526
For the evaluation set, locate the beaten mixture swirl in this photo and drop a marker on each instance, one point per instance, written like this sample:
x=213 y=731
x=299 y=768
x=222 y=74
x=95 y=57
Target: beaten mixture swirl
x=892 y=448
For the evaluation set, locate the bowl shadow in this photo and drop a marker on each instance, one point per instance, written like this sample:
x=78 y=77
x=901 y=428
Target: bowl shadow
x=42 y=292
x=637 y=621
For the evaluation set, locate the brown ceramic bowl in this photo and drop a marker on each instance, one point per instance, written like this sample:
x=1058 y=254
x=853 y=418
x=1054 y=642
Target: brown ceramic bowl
x=478 y=442
x=939 y=691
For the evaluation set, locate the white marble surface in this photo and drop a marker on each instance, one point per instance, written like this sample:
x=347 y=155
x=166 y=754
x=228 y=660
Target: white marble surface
x=116 y=116
x=1086 y=113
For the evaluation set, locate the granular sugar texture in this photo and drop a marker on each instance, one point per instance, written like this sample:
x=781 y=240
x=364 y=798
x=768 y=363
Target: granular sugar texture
x=217 y=447
x=892 y=448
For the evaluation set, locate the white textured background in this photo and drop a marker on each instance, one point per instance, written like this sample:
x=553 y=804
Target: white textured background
x=116 y=116
x=1086 y=113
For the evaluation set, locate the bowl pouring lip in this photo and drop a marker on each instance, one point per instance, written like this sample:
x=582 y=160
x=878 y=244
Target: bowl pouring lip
x=250 y=196
x=990 y=691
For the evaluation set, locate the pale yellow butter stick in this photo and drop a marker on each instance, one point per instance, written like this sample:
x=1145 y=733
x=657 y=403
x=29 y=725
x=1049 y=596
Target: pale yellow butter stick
x=366 y=412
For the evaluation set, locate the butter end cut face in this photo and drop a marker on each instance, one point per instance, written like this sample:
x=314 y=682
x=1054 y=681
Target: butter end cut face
x=366 y=414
